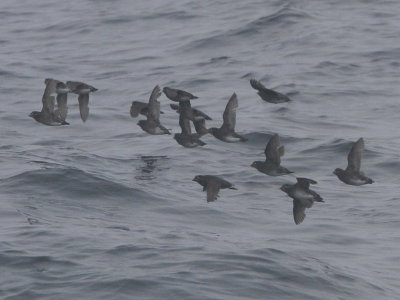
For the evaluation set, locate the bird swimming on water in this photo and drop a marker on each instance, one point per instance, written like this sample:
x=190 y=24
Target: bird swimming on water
x=303 y=197
x=272 y=164
x=352 y=175
x=49 y=115
x=227 y=132
x=212 y=184
x=268 y=95
x=83 y=90
x=152 y=124
x=178 y=95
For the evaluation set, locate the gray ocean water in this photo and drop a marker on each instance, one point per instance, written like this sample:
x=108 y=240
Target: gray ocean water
x=102 y=210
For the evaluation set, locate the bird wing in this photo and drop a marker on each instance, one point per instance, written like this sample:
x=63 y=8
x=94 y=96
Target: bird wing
x=185 y=125
x=137 y=108
x=272 y=150
x=229 y=115
x=49 y=91
x=83 y=100
x=154 y=105
x=62 y=108
x=175 y=107
x=198 y=114
x=200 y=126
x=305 y=182
x=354 y=157
x=212 y=191
x=73 y=85
x=256 y=84
x=184 y=96
x=299 y=211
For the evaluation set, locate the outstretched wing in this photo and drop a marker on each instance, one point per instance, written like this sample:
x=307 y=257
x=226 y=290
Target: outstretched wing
x=230 y=114
x=154 y=105
x=354 y=157
x=212 y=191
x=62 y=108
x=274 y=150
x=299 y=211
x=255 y=84
x=305 y=182
x=83 y=100
x=185 y=125
x=48 y=95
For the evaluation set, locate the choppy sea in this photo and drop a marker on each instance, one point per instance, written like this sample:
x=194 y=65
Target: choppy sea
x=102 y=210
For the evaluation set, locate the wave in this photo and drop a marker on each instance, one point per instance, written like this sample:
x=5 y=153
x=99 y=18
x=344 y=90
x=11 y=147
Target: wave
x=70 y=182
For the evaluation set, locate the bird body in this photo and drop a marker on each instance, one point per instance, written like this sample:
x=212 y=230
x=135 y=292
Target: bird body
x=268 y=95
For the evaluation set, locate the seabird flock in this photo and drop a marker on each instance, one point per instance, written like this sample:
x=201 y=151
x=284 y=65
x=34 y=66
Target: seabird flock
x=303 y=197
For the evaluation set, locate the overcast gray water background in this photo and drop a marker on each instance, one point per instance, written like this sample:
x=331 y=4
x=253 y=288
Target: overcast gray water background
x=102 y=210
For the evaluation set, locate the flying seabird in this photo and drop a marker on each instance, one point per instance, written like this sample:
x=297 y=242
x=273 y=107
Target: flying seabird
x=227 y=132
x=352 y=175
x=49 y=115
x=303 y=197
x=152 y=124
x=198 y=117
x=272 y=164
x=212 y=184
x=268 y=95
x=186 y=138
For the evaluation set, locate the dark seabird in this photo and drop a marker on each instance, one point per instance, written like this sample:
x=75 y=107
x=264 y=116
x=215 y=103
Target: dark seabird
x=178 y=95
x=48 y=115
x=227 y=132
x=199 y=118
x=152 y=124
x=272 y=164
x=186 y=138
x=83 y=90
x=212 y=184
x=352 y=175
x=141 y=108
x=267 y=94
x=303 y=197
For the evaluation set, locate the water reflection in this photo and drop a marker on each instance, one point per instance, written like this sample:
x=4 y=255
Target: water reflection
x=152 y=164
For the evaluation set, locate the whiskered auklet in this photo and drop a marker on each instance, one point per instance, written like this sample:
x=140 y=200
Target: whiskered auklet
x=49 y=115
x=303 y=197
x=198 y=117
x=186 y=138
x=212 y=184
x=152 y=124
x=227 y=132
x=272 y=164
x=352 y=175
x=83 y=90
x=268 y=95
x=178 y=95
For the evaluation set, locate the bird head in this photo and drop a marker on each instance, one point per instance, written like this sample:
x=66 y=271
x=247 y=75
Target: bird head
x=285 y=188
x=338 y=171
x=256 y=164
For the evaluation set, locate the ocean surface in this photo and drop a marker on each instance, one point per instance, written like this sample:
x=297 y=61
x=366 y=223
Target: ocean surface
x=103 y=210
